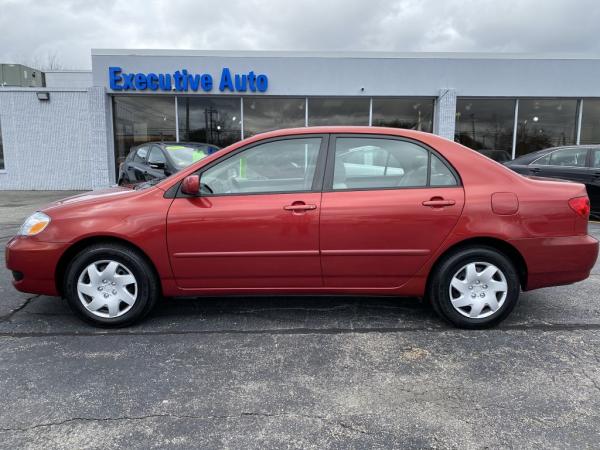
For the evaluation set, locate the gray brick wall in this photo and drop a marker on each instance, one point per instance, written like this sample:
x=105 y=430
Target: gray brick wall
x=101 y=137
x=56 y=144
x=444 y=120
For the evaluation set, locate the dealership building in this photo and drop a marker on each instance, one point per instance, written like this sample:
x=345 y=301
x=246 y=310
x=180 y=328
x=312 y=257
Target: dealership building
x=73 y=130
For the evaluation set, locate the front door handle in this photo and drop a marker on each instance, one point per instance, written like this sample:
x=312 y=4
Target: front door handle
x=438 y=203
x=535 y=170
x=299 y=207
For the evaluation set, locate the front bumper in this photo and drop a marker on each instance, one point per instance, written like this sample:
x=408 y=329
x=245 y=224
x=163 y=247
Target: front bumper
x=557 y=260
x=34 y=263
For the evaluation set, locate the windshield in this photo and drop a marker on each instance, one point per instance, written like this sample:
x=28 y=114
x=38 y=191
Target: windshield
x=184 y=155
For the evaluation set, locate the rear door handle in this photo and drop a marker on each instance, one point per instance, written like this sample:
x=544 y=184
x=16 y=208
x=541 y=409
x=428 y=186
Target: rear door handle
x=535 y=169
x=438 y=203
x=299 y=207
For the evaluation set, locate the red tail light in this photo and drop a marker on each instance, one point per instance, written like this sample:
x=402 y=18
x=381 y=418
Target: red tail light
x=581 y=205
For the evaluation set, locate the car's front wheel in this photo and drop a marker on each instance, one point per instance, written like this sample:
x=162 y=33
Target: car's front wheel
x=475 y=287
x=110 y=285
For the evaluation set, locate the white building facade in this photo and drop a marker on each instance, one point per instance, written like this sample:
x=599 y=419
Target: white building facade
x=74 y=132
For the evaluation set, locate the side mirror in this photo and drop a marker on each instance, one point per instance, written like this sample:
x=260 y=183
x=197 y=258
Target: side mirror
x=157 y=165
x=191 y=185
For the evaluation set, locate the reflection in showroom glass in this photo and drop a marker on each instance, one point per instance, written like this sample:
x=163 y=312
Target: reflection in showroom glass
x=266 y=114
x=209 y=120
x=139 y=119
x=410 y=113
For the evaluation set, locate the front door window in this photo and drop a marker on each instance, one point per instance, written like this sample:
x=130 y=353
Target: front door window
x=280 y=166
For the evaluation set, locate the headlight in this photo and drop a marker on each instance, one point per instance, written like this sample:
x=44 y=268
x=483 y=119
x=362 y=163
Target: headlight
x=34 y=224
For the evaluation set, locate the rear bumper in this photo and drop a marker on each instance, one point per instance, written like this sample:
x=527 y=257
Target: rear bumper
x=557 y=260
x=33 y=264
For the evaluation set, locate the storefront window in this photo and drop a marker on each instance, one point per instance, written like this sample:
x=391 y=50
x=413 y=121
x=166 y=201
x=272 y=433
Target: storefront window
x=545 y=123
x=1 y=150
x=590 y=122
x=338 y=111
x=140 y=119
x=265 y=114
x=410 y=113
x=209 y=120
x=485 y=124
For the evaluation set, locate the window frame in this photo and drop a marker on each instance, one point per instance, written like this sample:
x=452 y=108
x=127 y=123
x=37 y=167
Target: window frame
x=571 y=147
x=330 y=165
x=317 y=183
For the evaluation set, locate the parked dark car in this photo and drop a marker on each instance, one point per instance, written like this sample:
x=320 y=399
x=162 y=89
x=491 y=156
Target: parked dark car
x=579 y=163
x=500 y=156
x=157 y=160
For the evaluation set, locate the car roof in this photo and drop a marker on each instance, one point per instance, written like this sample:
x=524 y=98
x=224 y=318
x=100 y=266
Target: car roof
x=529 y=157
x=345 y=129
x=164 y=143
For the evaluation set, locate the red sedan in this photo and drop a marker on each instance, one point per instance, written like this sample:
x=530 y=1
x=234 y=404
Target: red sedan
x=344 y=210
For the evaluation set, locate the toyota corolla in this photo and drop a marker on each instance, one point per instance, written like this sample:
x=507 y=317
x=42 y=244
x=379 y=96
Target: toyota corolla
x=329 y=210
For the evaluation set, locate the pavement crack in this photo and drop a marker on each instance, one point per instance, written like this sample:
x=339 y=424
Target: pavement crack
x=8 y=316
x=543 y=327
x=339 y=423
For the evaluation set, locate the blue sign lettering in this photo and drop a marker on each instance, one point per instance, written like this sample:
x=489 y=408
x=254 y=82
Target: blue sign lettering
x=183 y=81
x=226 y=82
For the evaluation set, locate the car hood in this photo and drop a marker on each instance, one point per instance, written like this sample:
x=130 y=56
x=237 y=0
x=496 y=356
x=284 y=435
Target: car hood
x=92 y=196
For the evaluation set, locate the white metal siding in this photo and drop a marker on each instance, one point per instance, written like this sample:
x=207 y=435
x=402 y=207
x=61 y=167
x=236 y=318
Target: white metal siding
x=50 y=144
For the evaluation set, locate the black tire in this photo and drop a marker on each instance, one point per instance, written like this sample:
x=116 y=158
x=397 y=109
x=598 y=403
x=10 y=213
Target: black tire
x=439 y=286
x=147 y=288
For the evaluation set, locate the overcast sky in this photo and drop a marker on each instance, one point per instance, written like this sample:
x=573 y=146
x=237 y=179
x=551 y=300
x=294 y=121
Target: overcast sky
x=30 y=30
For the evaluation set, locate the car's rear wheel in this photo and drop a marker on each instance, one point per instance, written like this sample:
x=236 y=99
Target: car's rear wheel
x=110 y=285
x=474 y=287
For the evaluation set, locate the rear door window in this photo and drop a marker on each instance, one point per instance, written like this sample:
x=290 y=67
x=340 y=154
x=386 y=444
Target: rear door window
x=542 y=161
x=380 y=163
x=569 y=157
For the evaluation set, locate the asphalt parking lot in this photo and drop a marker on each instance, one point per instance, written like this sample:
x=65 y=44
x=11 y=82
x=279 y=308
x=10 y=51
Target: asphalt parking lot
x=324 y=372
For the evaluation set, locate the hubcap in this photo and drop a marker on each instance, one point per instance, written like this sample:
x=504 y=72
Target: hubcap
x=107 y=288
x=478 y=290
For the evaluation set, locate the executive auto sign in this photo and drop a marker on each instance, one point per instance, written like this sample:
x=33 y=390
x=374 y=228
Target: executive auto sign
x=183 y=81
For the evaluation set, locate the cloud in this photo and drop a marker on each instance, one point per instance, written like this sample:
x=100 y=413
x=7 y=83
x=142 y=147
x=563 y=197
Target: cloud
x=69 y=28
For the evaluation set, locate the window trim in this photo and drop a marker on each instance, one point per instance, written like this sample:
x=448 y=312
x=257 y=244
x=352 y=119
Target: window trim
x=317 y=179
x=330 y=165
x=572 y=147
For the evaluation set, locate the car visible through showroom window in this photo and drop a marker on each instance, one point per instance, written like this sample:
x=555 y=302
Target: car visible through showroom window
x=157 y=160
